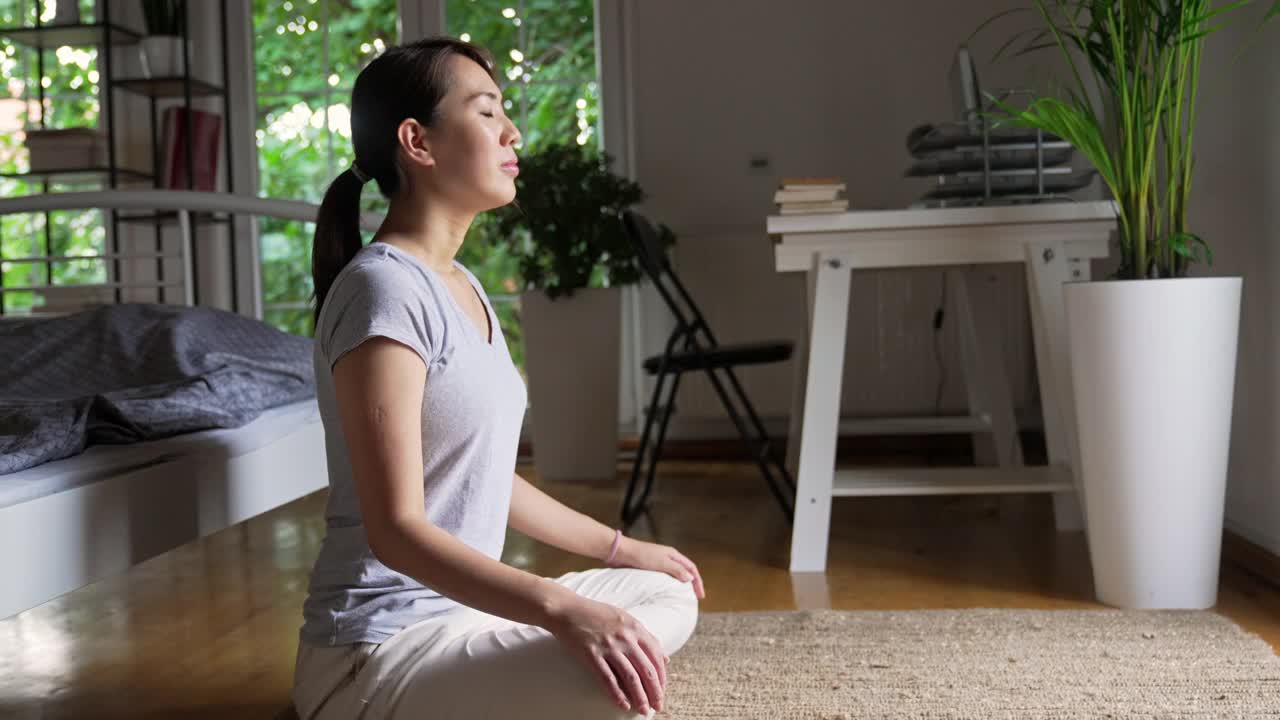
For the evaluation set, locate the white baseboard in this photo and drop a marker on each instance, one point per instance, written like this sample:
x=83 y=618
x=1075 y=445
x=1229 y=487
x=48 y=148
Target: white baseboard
x=707 y=428
x=1263 y=539
x=718 y=428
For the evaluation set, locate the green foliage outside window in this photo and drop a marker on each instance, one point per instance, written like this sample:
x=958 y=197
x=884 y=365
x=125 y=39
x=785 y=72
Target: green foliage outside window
x=71 y=87
x=307 y=54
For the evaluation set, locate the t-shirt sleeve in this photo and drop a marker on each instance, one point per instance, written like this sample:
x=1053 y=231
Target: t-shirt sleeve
x=376 y=300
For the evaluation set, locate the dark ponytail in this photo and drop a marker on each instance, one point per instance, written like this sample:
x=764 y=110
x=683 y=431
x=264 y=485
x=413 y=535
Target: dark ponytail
x=405 y=81
x=337 y=237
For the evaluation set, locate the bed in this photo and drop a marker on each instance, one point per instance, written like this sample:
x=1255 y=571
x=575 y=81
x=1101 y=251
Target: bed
x=72 y=521
x=139 y=483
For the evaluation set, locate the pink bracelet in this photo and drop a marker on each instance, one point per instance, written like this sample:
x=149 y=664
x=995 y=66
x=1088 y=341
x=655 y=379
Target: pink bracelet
x=617 y=540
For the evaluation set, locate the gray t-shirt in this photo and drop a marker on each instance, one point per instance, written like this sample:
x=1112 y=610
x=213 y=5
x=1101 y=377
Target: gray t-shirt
x=472 y=407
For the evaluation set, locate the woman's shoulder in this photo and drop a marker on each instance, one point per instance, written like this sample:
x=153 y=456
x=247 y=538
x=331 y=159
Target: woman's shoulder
x=374 y=280
x=378 y=293
x=374 y=268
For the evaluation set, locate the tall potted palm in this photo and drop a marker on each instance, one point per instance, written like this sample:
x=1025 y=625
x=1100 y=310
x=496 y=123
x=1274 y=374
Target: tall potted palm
x=1152 y=351
x=565 y=232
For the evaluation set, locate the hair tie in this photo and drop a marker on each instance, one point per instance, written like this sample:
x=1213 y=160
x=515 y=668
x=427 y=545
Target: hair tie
x=355 y=170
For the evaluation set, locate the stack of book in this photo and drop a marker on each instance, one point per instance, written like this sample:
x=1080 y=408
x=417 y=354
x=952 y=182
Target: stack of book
x=800 y=195
x=66 y=149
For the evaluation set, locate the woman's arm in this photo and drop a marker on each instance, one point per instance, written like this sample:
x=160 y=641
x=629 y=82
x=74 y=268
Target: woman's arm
x=379 y=395
x=541 y=517
x=544 y=518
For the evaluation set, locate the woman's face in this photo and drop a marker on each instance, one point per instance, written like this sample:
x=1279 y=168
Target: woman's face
x=472 y=145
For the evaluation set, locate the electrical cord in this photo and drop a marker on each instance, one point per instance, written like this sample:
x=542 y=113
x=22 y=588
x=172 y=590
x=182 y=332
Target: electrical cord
x=939 y=316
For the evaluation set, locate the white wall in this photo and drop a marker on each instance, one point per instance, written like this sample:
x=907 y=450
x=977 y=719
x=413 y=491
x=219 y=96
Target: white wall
x=1237 y=184
x=822 y=87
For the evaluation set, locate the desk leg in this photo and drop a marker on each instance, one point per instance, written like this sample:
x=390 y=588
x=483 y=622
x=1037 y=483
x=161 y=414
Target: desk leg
x=821 y=421
x=1048 y=269
x=801 y=359
x=809 y=591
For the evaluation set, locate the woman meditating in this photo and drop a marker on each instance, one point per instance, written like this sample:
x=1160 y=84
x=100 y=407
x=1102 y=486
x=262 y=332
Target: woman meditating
x=410 y=613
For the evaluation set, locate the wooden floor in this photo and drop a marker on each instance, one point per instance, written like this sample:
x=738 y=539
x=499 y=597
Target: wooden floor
x=209 y=630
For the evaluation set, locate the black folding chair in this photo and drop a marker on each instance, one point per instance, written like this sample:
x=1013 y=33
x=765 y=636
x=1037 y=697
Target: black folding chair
x=692 y=347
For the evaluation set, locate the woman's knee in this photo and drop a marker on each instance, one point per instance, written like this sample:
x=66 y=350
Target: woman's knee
x=668 y=587
x=668 y=608
x=680 y=591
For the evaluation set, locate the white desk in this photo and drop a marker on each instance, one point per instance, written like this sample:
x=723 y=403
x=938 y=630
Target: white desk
x=1055 y=241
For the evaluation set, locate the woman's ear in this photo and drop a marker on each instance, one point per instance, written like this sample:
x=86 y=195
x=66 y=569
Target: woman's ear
x=412 y=136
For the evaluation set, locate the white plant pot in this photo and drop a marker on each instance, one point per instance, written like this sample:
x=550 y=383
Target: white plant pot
x=161 y=56
x=572 y=352
x=1153 y=371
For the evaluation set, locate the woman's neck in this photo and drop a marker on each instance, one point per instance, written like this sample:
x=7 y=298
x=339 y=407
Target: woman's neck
x=431 y=231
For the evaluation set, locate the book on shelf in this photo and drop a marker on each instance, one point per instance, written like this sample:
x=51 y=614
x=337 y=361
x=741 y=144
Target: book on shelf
x=810 y=194
x=206 y=129
x=65 y=149
x=813 y=207
x=812 y=183
x=810 y=180
x=818 y=195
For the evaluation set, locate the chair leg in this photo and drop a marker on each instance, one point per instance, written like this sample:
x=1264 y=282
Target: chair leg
x=655 y=454
x=779 y=462
x=758 y=447
x=629 y=510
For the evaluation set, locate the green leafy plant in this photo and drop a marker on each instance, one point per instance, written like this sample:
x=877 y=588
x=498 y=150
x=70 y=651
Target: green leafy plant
x=1142 y=58
x=565 y=227
x=163 y=17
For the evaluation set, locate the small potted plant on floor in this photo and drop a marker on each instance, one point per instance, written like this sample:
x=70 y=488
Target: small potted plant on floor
x=1152 y=351
x=162 y=54
x=565 y=232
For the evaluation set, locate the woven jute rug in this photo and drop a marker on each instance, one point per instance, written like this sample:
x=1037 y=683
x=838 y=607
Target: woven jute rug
x=989 y=664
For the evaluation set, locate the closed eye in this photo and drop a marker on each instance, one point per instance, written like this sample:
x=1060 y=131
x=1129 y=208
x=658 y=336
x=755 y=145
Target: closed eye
x=487 y=114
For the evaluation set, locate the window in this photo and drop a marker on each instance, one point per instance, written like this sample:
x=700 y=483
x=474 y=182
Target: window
x=70 y=86
x=546 y=59
x=307 y=54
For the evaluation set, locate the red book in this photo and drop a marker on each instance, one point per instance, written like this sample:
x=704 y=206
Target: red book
x=206 y=129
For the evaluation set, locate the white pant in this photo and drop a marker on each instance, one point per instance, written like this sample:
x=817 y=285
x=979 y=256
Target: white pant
x=469 y=664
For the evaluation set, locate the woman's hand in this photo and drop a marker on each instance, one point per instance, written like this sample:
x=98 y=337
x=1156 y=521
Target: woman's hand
x=662 y=558
x=618 y=649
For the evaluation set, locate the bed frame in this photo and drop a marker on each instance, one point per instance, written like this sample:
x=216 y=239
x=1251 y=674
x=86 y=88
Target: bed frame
x=129 y=503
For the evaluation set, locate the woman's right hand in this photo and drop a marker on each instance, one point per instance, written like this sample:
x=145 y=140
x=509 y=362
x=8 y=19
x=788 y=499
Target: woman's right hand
x=618 y=649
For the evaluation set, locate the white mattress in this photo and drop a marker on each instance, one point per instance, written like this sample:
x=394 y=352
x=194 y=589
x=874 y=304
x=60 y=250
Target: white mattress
x=102 y=461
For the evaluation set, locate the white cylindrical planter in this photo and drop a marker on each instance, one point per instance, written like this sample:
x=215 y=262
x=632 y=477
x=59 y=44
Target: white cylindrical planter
x=1153 y=371
x=572 y=347
x=162 y=56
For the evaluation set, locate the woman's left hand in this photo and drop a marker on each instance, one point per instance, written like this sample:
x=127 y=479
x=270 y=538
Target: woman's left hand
x=662 y=558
